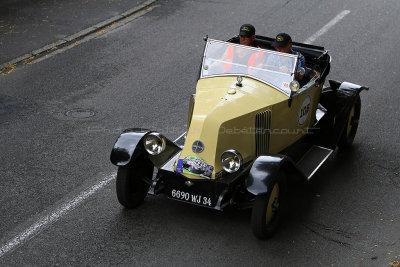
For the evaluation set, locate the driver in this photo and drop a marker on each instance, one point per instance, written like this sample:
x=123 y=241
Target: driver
x=247 y=35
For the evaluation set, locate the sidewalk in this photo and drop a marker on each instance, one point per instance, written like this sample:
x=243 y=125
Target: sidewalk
x=28 y=25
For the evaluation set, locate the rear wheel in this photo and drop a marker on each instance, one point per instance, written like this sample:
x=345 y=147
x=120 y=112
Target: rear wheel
x=133 y=182
x=268 y=209
x=349 y=132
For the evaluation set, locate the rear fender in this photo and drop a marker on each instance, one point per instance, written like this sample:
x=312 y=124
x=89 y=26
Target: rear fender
x=346 y=95
x=340 y=95
x=264 y=173
x=338 y=99
x=129 y=146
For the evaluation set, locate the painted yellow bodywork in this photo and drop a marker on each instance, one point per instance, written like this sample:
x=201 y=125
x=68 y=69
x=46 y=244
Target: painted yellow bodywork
x=223 y=120
x=285 y=128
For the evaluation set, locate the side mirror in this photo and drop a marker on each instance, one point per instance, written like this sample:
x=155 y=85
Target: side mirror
x=294 y=86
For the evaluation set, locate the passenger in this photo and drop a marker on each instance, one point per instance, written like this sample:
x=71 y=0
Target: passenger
x=283 y=44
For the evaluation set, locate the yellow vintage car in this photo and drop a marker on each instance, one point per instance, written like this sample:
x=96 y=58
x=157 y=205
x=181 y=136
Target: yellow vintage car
x=251 y=128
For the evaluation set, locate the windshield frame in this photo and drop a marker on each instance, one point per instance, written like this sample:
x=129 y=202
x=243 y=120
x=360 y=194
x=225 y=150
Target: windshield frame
x=255 y=49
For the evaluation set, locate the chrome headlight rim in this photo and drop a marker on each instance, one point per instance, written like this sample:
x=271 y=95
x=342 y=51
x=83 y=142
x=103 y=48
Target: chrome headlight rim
x=235 y=154
x=161 y=142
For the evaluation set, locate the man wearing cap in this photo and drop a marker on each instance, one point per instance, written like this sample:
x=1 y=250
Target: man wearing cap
x=283 y=44
x=246 y=37
x=247 y=34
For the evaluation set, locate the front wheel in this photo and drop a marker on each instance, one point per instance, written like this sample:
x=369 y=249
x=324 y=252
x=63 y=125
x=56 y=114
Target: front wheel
x=133 y=182
x=349 y=132
x=267 y=210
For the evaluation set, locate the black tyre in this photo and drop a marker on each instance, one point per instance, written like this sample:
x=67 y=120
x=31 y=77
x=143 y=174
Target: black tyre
x=133 y=182
x=350 y=130
x=268 y=209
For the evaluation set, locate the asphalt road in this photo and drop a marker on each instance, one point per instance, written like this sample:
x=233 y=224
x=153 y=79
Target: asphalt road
x=141 y=75
x=28 y=25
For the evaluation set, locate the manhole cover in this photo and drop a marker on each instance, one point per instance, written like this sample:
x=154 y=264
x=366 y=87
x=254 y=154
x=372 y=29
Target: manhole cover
x=80 y=113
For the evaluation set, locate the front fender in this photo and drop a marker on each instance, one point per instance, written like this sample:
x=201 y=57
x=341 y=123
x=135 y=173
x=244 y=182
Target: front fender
x=129 y=145
x=265 y=170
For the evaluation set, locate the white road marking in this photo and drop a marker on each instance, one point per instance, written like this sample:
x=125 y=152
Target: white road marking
x=54 y=216
x=329 y=25
x=47 y=220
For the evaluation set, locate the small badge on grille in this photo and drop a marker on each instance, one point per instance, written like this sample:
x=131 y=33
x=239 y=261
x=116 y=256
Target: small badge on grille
x=197 y=146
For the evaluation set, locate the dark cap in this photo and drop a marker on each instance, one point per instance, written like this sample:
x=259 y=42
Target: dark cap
x=247 y=30
x=282 y=40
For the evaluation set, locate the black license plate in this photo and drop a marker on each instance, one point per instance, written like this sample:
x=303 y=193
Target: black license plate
x=191 y=197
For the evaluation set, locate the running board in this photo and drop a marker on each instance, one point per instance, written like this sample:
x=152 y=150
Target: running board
x=312 y=160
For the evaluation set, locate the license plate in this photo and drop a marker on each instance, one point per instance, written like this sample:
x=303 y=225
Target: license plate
x=191 y=197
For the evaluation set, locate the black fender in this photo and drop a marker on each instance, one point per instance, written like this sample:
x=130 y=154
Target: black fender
x=265 y=170
x=129 y=146
x=340 y=96
x=338 y=99
x=346 y=95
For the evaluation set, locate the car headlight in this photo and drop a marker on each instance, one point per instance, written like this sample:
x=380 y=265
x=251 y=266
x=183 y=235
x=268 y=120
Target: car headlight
x=231 y=160
x=154 y=143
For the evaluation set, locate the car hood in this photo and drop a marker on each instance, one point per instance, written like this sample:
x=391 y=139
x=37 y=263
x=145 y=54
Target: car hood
x=224 y=115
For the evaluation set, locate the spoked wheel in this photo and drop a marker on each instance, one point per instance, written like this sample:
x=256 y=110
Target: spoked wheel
x=268 y=209
x=133 y=182
x=347 y=137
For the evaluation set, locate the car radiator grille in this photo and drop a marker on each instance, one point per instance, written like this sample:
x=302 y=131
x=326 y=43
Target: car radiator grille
x=263 y=126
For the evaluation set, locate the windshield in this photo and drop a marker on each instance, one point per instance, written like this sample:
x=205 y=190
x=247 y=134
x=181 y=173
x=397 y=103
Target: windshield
x=271 y=67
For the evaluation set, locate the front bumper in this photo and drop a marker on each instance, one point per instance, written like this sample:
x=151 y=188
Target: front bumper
x=210 y=193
